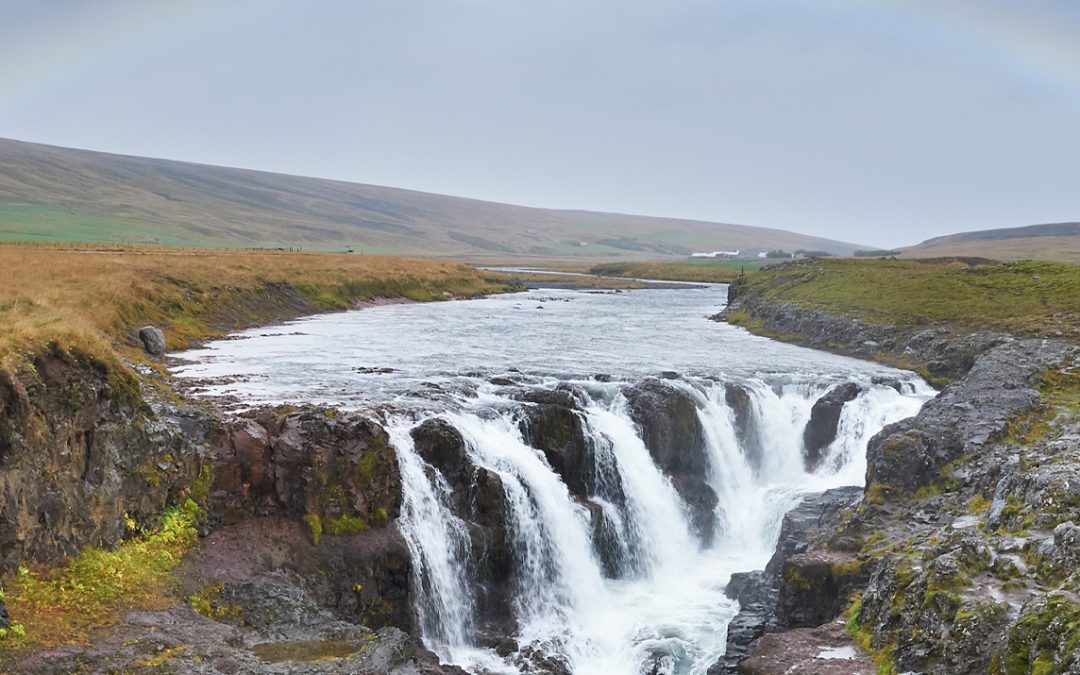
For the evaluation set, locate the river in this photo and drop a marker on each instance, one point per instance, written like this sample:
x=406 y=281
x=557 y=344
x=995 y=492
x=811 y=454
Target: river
x=620 y=566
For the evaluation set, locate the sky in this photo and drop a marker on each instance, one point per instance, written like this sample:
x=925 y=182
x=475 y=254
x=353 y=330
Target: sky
x=880 y=122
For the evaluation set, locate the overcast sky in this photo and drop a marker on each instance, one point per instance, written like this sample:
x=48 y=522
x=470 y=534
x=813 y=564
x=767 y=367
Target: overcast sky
x=874 y=121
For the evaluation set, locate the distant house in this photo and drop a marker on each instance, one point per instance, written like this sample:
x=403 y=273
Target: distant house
x=716 y=254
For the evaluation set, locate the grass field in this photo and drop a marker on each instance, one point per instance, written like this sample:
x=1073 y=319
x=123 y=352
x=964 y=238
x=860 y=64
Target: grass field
x=94 y=299
x=715 y=271
x=1024 y=298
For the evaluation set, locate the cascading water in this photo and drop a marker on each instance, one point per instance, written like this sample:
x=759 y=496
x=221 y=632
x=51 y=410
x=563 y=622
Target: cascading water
x=660 y=608
x=583 y=540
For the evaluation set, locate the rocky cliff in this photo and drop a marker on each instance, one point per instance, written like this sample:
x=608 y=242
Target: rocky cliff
x=300 y=557
x=961 y=554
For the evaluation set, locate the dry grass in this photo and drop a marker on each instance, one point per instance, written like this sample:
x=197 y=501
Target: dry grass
x=1060 y=249
x=92 y=300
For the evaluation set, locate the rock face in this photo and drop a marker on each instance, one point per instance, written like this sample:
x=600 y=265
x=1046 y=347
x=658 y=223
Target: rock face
x=334 y=470
x=964 y=419
x=478 y=500
x=825 y=650
x=824 y=418
x=786 y=593
x=336 y=478
x=77 y=452
x=738 y=399
x=153 y=340
x=671 y=429
x=551 y=422
x=963 y=555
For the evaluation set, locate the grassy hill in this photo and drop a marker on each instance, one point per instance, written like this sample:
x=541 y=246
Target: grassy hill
x=1055 y=241
x=52 y=194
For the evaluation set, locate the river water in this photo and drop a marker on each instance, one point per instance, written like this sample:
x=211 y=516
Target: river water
x=611 y=581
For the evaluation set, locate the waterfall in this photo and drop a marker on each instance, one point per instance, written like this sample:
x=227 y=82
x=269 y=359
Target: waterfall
x=616 y=580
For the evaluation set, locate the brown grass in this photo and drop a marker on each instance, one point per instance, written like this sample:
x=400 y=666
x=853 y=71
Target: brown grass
x=93 y=300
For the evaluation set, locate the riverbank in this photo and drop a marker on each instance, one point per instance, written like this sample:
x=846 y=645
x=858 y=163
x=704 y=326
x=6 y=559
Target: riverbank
x=92 y=301
x=961 y=554
x=107 y=475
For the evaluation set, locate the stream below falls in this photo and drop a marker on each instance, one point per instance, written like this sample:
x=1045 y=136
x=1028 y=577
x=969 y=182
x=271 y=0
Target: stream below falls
x=582 y=471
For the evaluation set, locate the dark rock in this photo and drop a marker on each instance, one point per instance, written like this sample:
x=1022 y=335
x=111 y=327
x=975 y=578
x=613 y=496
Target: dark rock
x=441 y=446
x=964 y=419
x=759 y=593
x=738 y=399
x=334 y=469
x=479 y=500
x=816 y=586
x=824 y=418
x=668 y=419
x=552 y=423
x=153 y=340
x=76 y=454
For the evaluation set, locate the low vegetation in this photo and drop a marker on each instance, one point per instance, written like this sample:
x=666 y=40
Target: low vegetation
x=92 y=300
x=63 y=605
x=708 y=271
x=1023 y=298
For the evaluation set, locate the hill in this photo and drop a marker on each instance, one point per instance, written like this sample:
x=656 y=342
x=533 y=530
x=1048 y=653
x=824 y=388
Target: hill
x=1055 y=241
x=52 y=194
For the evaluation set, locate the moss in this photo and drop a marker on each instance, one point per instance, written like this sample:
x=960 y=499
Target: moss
x=978 y=504
x=378 y=614
x=160 y=659
x=205 y=601
x=315 y=529
x=930 y=491
x=63 y=605
x=200 y=487
x=1045 y=639
x=1059 y=393
x=379 y=517
x=877 y=493
x=367 y=466
x=344 y=524
x=851 y=568
x=862 y=636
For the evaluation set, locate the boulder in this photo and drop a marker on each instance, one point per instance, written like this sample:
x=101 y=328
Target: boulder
x=824 y=419
x=153 y=340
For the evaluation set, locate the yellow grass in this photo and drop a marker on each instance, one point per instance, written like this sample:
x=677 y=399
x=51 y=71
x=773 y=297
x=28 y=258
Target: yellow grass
x=93 y=300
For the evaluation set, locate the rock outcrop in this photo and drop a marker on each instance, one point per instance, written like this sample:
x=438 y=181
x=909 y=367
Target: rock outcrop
x=962 y=556
x=478 y=500
x=668 y=419
x=798 y=586
x=79 y=451
x=824 y=419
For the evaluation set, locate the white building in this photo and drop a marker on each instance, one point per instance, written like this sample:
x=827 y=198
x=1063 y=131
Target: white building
x=716 y=254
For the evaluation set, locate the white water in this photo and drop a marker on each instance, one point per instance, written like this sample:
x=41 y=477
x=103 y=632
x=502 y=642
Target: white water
x=669 y=610
x=658 y=602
